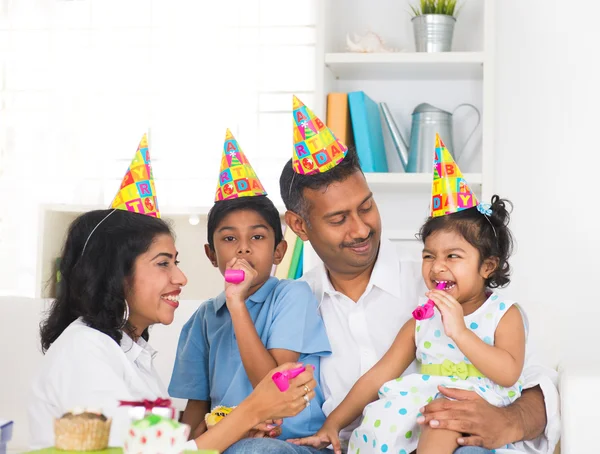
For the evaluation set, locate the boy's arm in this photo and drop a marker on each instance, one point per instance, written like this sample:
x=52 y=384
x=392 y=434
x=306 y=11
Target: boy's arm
x=257 y=360
x=193 y=415
x=502 y=362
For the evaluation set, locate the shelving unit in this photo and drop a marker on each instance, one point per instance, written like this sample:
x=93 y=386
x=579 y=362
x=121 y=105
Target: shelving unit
x=405 y=79
x=405 y=65
x=398 y=180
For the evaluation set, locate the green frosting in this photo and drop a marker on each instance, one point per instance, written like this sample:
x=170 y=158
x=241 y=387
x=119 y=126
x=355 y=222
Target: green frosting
x=152 y=420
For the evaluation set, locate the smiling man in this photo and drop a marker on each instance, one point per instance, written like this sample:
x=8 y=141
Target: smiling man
x=366 y=294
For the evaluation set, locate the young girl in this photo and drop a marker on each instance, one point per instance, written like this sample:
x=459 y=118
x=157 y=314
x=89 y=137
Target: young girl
x=474 y=341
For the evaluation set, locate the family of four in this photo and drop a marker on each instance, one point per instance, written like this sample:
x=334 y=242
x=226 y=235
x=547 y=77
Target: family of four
x=377 y=379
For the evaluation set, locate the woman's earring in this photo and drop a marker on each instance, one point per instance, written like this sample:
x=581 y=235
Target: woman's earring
x=126 y=313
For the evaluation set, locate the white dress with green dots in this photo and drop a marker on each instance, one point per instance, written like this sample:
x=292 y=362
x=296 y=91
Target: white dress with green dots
x=389 y=424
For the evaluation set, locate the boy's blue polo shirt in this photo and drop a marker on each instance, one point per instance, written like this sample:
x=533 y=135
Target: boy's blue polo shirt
x=208 y=365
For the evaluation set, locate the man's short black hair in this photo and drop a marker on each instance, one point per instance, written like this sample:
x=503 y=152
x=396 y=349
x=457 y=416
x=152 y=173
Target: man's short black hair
x=260 y=204
x=292 y=185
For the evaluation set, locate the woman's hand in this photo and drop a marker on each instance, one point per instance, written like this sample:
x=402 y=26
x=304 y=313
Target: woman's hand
x=268 y=429
x=453 y=316
x=237 y=293
x=327 y=435
x=265 y=403
x=270 y=403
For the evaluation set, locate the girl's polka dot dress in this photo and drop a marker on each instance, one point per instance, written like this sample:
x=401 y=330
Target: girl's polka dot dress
x=389 y=424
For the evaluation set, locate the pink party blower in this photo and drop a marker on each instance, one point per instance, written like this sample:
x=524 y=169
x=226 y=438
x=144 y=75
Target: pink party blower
x=234 y=276
x=426 y=311
x=282 y=379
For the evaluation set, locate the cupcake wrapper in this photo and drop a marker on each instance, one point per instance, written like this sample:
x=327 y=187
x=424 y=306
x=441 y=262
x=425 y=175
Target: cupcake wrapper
x=81 y=435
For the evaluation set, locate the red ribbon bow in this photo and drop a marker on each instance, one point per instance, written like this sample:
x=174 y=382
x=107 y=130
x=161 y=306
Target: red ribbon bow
x=147 y=404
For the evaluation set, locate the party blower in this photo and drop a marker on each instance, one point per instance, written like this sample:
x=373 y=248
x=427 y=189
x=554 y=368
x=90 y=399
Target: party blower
x=282 y=379
x=234 y=276
x=426 y=311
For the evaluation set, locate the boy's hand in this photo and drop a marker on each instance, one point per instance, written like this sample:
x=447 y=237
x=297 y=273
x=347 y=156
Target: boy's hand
x=237 y=293
x=453 y=316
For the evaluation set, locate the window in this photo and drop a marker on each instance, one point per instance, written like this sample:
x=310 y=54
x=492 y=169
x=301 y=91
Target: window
x=82 y=80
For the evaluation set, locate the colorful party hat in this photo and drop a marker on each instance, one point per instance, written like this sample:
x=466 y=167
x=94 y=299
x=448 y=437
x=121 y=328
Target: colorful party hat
x=137 y=193
x=316 y=149
x=450 y=192
x=237 y=177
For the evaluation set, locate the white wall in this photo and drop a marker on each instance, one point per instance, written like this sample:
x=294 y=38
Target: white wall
x=547 y=117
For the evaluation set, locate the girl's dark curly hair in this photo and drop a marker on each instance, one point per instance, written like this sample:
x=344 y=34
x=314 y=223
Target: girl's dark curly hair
x=478 y=231
x=93 y=285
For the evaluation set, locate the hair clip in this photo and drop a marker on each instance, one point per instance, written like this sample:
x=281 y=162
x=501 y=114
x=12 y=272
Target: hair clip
x=485 y=209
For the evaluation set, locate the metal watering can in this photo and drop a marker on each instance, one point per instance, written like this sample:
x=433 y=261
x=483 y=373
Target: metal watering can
x=426 y=121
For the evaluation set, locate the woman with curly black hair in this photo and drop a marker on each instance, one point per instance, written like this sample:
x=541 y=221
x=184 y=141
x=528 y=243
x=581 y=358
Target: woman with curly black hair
x=120 y=275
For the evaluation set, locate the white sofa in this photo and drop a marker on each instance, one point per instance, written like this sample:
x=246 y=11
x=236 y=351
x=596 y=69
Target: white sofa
x=20 y=353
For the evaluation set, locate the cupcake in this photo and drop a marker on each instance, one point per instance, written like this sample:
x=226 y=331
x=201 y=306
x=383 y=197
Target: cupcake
x=156 y=434
x=217 y=413
x=82 y=430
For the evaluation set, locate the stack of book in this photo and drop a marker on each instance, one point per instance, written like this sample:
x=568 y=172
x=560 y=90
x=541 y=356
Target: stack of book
x=291 y=267
x=355 y=120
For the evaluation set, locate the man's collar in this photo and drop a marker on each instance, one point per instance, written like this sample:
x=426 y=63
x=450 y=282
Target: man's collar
x=260 y=296
x=385 y=274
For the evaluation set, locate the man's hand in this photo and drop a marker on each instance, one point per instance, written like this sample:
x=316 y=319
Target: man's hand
x=326 y=436
x=483 y=424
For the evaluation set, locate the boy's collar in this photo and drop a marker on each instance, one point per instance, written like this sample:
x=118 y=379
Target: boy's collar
x=260 y=296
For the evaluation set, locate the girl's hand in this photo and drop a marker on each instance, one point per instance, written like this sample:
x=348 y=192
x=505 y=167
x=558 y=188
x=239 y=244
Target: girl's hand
x=270 y=403
x=237 y=293
x=453 y=316
x=327 y=435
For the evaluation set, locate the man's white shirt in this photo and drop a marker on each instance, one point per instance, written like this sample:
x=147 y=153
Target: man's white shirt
x=360 y=333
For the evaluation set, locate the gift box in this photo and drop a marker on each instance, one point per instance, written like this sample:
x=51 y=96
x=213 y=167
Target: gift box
x=159 y=407
x=6 y=429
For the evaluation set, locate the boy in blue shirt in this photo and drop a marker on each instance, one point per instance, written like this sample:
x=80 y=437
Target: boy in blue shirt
x=233 y=340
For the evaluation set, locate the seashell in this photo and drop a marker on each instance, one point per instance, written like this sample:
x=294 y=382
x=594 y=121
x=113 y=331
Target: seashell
x=368 y=42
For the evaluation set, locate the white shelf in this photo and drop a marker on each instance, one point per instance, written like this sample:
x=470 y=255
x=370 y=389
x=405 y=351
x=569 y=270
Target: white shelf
x=406 y=65
x=379 y=179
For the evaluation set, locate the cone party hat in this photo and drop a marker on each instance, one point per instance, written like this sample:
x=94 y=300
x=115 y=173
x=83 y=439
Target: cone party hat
x=236 y=177
x=316 y=149
x=138 y=193
x=450 y=192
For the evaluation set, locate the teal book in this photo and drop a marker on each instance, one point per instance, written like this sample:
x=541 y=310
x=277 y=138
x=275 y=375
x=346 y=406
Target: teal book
x=300 y=269
x=368 y=133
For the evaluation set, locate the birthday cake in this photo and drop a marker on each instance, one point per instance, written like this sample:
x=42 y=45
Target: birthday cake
x=82 y=430
x=156 y=434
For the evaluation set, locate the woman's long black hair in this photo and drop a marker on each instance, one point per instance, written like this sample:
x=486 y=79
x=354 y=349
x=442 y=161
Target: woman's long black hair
x=93 y=284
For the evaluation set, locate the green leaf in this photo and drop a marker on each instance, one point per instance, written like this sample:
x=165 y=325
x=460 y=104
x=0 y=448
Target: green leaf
x=447 y=7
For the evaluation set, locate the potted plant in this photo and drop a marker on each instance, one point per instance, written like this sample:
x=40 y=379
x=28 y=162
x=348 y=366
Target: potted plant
x=433 y=24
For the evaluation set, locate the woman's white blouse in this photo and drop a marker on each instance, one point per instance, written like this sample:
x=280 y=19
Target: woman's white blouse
x=86 y=368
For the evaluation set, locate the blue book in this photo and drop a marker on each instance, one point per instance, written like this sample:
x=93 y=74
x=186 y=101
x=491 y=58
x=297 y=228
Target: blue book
x=368 y=133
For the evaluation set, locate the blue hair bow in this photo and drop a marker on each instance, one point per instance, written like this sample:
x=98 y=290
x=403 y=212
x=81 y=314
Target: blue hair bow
x=485 y=209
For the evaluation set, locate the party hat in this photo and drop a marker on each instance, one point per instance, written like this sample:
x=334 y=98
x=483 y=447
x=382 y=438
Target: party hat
x=237 y=177
x=137 y=193
x=316 y=149
x=450 y=192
